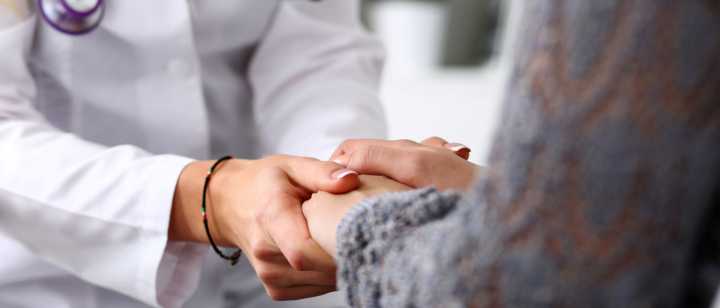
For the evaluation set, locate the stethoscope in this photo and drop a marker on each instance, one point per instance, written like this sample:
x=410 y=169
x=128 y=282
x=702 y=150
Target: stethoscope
x=74 y=17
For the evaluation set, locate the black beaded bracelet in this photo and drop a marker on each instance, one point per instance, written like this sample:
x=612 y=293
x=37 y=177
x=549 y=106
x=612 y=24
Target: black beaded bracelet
x=235 y=257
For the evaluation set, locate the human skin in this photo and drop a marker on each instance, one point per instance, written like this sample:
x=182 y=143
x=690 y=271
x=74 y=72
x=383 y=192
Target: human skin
x=255 y=205
x=324 y=210
x=415 y=164
x=433 y=162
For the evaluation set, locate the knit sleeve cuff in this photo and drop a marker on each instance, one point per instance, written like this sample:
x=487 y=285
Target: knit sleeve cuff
x=373 y=226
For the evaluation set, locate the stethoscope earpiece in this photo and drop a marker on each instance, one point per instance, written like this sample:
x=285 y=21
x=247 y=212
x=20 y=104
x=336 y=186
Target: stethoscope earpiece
x=73 y=17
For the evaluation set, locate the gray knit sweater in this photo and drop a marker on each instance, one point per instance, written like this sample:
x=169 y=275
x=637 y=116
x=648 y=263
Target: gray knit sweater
x=600 y=186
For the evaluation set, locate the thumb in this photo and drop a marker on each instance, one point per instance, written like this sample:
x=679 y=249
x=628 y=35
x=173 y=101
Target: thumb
x=315 y=175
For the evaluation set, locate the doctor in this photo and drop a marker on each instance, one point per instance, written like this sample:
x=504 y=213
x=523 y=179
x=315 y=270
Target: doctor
x=105 y=139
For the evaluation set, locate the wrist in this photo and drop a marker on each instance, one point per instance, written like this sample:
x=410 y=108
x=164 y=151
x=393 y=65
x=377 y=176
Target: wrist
x=186 y=222
x=186 y=218
x=220 y=201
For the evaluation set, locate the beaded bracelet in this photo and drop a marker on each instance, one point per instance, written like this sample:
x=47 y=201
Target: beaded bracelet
x=235 y=257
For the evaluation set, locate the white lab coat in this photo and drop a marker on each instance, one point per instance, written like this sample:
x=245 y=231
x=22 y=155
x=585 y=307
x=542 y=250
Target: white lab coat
x=95 y=129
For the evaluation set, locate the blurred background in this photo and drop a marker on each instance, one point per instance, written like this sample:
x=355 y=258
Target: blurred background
x=448 y=62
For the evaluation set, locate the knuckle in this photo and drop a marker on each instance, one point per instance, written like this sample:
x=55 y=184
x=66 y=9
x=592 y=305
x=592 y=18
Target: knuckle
x=269 y=277
x=361 y=158
x=347 y=144
x=276 y=294
x=261 y=251
x=405 y=142
x=350 y=145
x=296 y=259
x=260 y=248
x=434 y=140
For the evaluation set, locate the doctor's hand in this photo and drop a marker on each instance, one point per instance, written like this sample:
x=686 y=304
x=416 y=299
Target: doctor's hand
x=324 y=210
x=255 y=205
x=434 y=162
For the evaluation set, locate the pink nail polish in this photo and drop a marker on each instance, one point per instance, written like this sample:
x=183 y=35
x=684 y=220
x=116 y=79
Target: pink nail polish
x=343 y=173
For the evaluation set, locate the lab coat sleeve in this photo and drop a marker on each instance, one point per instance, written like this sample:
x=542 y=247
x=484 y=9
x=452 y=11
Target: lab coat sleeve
x=315 y=77
x=100 y=213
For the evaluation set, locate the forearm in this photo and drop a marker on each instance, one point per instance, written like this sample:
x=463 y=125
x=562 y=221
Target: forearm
x=186 y=218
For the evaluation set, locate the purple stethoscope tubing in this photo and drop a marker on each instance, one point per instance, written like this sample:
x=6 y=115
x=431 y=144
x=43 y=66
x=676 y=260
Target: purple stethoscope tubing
x=64 y=18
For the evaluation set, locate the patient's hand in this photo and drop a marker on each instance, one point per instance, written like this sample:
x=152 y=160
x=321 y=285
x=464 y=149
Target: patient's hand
x=324 y=211
x=433 y=162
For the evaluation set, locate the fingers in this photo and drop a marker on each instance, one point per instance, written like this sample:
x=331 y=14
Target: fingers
x=285 y=224
x=458 y=148
x=282 y=219
x=299 y=292
x=283 y=276
x=393 y=159
x=284 y=283
x=315 y=175
x=435 y=142
x=347 y=153
x=343 y=152
x=381 y=157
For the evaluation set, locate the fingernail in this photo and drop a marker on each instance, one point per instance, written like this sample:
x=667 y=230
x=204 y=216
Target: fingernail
x=457 y=147
x=343 y=173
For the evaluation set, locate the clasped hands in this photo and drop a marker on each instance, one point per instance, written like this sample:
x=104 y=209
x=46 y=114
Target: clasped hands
x=282 y=211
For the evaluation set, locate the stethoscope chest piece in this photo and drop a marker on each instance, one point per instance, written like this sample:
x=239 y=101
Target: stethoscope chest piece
x=72 y=16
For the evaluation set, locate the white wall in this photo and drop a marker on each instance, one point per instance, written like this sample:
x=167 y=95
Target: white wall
x=424 y=100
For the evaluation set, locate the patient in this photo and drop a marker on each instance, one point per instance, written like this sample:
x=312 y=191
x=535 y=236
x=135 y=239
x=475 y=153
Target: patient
x=599 y=192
